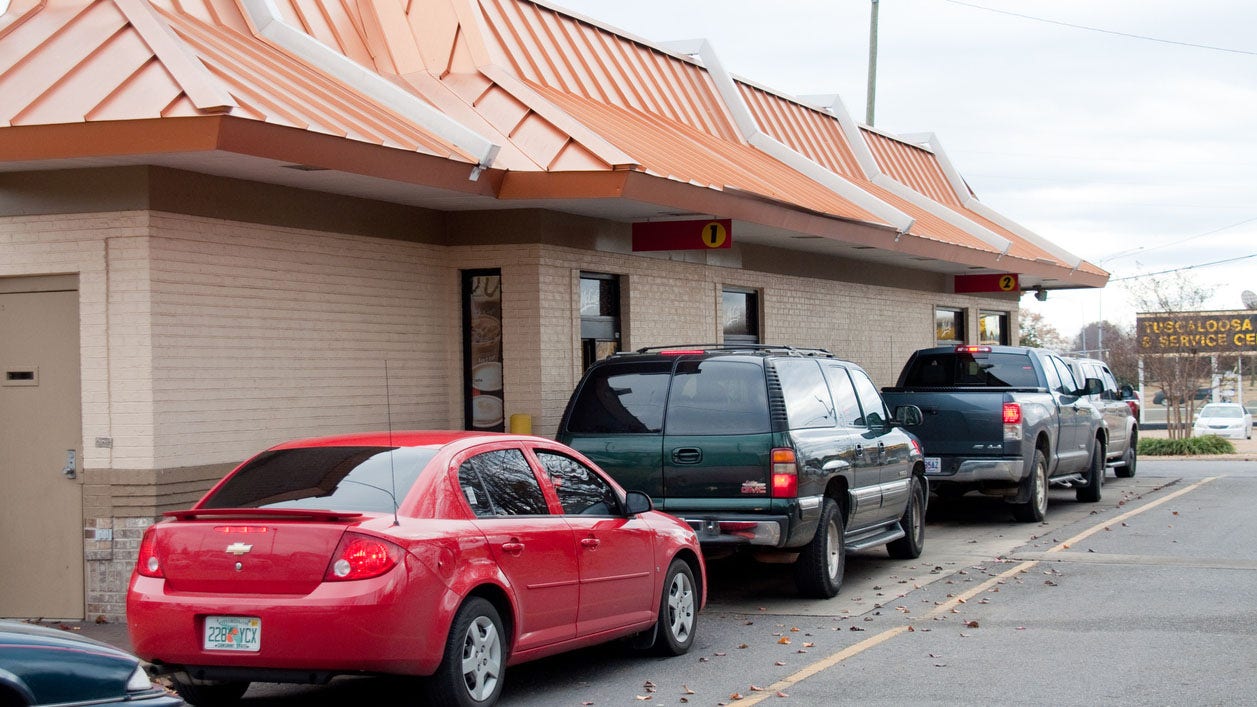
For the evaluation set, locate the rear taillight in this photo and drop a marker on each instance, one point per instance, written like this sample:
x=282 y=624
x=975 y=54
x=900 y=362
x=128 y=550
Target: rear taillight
x=1012 y=421
x=148 y=564
x=785 y=474
x=361 y=557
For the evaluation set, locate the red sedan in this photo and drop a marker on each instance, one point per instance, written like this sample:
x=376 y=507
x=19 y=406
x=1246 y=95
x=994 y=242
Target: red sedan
x=450 y=554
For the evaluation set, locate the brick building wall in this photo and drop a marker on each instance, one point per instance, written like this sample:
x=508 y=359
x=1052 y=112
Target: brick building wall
x=207 y=339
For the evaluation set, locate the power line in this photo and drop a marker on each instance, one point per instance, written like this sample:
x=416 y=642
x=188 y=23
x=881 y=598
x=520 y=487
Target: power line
x=1142 y=249
x=1184 y=268
x=1103 y=31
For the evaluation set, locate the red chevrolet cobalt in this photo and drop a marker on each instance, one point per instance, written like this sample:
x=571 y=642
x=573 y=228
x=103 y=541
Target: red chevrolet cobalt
x=442 y=554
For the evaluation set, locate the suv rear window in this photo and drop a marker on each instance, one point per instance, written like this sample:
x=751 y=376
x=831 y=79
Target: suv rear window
x=622 y=398
x=993 y=370
x=715 y=397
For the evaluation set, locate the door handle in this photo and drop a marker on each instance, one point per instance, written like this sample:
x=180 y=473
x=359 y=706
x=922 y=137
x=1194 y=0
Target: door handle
x=687 y=455
x=590 y=543
x=514 y=548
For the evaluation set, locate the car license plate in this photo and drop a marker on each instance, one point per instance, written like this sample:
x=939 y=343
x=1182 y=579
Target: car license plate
x=933 y=465
x=233 y=633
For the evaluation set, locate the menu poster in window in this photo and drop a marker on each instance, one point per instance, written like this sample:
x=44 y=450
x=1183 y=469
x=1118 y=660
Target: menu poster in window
x=482 y=319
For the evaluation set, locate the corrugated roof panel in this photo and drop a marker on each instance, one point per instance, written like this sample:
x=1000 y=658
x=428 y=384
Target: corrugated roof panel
x=82 y=90
x=74 y=60
x=151 y=85
x=819 y=137
x=919 y=170
x=289 y=92
x=682 y=152
x=545 y=45
x=811 y=133
x=912 y=166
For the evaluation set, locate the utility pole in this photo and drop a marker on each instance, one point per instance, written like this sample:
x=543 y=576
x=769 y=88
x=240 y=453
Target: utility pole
x=872 y=89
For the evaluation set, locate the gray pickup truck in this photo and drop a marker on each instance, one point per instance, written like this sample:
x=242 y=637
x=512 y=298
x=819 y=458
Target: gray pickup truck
x=1005 y=421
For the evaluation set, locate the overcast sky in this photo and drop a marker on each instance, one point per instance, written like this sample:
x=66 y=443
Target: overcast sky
x=1137 y=153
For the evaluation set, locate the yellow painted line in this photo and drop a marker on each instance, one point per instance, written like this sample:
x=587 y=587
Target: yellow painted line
x=873 y=641
x=1146 y=507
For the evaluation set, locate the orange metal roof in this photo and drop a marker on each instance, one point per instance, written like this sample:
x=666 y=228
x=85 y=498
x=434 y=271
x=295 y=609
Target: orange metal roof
x=561 y=96
x=72 y=61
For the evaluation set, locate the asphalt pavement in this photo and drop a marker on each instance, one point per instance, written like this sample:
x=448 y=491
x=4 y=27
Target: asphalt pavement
x=1148 y=558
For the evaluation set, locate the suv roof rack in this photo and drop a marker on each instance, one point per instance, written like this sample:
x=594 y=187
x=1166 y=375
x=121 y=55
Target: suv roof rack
x=755 y=348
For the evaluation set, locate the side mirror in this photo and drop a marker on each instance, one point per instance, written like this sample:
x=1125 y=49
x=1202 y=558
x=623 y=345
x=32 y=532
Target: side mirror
x=908 y=415
x=1128 y=393
x=638 y=502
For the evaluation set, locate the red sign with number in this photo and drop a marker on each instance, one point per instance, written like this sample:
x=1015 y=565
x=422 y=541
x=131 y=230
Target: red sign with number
x=683 y=235
x=1006 y=282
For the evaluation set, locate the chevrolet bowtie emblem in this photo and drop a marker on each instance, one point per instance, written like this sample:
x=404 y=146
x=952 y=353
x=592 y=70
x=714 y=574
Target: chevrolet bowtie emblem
x=238 y=549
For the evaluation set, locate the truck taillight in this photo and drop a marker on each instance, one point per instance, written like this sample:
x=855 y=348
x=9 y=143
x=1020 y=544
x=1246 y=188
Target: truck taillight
x=785 y=474
x=148 y=564
x=1012 y=413
x=361 y=557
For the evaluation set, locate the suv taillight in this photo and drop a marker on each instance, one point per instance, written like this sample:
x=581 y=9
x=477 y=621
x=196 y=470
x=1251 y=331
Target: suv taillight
x=148 y=564
x=361 y=557
x=785 y=474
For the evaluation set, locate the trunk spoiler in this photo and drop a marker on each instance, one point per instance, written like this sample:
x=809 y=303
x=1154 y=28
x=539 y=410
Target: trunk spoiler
x=262 y=513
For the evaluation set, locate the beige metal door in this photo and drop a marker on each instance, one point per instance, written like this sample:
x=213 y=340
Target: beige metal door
x=41 y=498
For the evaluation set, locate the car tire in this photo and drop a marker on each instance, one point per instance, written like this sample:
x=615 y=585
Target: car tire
x=1034 y=510
x=678 y=610
x=474 y=664
x=819 y=569
x=1095 y=476
x=207 y=693
x=1126 y=469
x=913 y=522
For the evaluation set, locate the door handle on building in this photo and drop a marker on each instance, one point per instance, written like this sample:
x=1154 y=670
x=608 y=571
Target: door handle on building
x=71 y=469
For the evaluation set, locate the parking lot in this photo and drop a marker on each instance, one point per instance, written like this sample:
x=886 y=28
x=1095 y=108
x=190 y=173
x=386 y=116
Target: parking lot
x=1143 y=598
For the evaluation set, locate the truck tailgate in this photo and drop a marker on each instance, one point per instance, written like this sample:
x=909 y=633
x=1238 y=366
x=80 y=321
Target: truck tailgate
x=965 y=422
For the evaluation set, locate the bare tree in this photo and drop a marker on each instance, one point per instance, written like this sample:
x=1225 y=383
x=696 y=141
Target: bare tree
x=1113 y=343
x=1033 y=330
x=1179 y=376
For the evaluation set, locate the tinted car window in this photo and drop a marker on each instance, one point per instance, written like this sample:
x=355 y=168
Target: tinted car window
x=875 y=414
x=501 y=483
x=580 y=489
x=806 y=395
x=844 y=394
x=328 y=478
x=716 y=397
x=991 y=370
x=627 y=397
x=1069 y=381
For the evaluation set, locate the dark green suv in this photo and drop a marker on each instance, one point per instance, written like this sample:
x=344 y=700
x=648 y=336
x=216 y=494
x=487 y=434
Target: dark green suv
x=781 y=451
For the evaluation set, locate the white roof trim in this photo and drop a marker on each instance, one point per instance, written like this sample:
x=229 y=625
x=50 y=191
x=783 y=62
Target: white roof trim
x=746 y=124
x=970 y=202
x=267 y=22
x=864 y=155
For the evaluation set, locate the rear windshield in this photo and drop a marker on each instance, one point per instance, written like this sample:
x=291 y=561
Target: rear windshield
x=327 y=478
x=993 y=370
x=622 y=398
x=717 y=397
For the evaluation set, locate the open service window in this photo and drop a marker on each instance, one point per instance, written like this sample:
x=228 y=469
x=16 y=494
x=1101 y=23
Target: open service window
x=599 y=316
x=993 y=328
x=949 y=325
x=740 y=313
